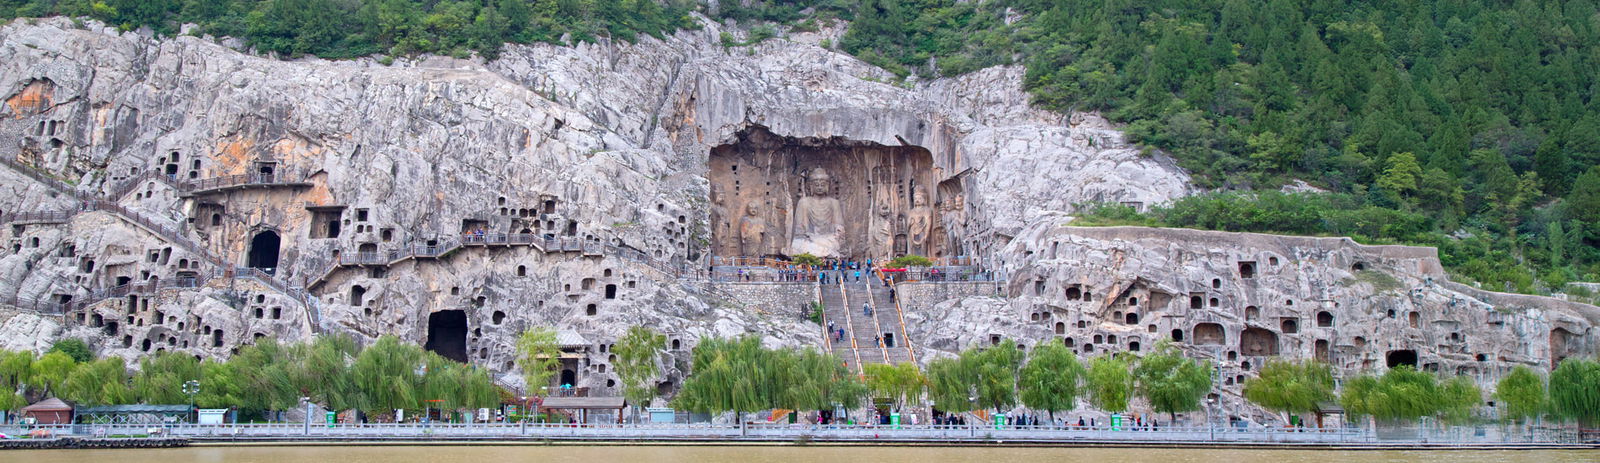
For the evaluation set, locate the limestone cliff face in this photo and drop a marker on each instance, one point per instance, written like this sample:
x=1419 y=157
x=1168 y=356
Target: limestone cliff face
x=573 y=186
x=1240 y=299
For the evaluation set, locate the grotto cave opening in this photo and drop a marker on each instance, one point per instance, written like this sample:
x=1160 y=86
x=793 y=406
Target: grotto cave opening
x=775 y=196
x=264 y=251
x=447 y=334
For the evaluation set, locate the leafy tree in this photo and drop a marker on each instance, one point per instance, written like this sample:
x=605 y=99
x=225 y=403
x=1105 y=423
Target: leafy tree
x=1170 y=381
x=723 y=378
x=1404 y=393
x=1575 y=391
x=1521 y=393
x=16 y=367
x=1289 y=387
x=806 y=259
x=995 y=371
x=950 y=385
x=161 y=377
x=808 y=380
x=322 y=371
x=638 y=363
x=48 y=372
x=1051 y=379
x=219 y=385
x=539 y=355
x=910 y=260
x=903 y=382
x=1110 y=382
x=75 y=348
x=388 y=376
x=98 y=382
x=264 y=376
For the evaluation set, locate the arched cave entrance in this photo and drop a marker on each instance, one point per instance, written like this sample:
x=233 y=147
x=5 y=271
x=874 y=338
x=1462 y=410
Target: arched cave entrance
x=1209 y=334
x=1257 y=342
x=264 y=251
x=780 y=196
x=1560 y=348
x=447 y=334
x=1401 y=357
x=569 y=377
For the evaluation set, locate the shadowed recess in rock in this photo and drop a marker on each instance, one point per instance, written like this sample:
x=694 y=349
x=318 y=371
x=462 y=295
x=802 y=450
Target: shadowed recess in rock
x=782 y=196
x=447 y=334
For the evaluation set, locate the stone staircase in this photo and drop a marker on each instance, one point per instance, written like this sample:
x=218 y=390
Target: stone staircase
x=835 y=309
x=865 y=329
x=170 y=234
x=891 y=319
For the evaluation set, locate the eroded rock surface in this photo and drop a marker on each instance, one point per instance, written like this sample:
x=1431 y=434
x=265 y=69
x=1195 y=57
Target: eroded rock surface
x=573 y=187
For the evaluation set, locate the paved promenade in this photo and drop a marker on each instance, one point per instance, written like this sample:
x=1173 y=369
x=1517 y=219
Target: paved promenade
x=285 y=433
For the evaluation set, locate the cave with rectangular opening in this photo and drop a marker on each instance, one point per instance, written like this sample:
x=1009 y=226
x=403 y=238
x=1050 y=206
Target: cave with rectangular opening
x=782 y=196
x=1401 y=357
x=447 y=334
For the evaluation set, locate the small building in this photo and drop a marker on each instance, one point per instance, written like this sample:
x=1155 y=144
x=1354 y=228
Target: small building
x=579 y=407
x=48 y=411
x=136 y=414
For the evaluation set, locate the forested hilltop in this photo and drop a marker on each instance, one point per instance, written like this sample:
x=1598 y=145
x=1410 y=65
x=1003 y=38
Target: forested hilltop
x=1464 y=124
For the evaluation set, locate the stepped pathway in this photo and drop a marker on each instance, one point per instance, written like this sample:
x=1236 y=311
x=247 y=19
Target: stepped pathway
x=862 y=327
x=892 y=320
x=171 y=235
x=835 y=309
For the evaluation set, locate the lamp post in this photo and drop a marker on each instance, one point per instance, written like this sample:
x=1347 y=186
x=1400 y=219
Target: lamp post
x=190 y=388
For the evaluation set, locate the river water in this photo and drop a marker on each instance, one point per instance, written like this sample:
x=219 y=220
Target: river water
x=741 y=454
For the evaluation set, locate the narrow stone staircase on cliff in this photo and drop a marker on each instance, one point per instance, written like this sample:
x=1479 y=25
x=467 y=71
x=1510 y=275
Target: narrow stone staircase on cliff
x=891 y=322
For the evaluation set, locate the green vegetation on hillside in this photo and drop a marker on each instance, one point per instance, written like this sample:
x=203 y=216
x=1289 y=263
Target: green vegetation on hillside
x=351 y=28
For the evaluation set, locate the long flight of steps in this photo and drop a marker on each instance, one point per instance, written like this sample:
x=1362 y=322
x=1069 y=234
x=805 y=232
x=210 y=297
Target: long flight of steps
x=879 y=338
x=863 y=327
x=897 y=345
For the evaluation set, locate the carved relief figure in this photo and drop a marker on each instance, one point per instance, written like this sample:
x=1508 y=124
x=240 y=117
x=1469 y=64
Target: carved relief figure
x=920 y=223
x=818 y=219
x=882 y=232
x=752 y=231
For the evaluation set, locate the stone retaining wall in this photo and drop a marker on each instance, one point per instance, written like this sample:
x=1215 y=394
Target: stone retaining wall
x=922 y=295
x=786 y=299
x=82 y=443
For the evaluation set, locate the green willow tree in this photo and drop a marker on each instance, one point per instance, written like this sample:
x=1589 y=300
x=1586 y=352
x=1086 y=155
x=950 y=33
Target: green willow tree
x=724 y=377
x=639 y=364
x=1170 y=381
x=995 y=371
x=1403 y=393
x=950 y=385
x=1575 y=391
x=539 y=356
x=1110 y=382
x=49 y=371
x=739 y=375
x=388 y=376
x=1051 y=379
x=902 y=383
x=99 y=382
x=161 y=377
x=1521 y=394
x=264 y=376
x=1290 y=387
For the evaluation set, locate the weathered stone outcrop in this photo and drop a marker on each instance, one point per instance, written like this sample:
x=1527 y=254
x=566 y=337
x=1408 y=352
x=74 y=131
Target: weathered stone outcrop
x=573 y=187
x=1240 y=299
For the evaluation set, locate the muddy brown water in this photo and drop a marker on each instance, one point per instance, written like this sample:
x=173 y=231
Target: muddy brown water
x=745 y=454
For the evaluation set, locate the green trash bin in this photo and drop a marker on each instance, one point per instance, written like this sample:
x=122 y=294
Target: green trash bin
x=894 y=419
x=1116 y=421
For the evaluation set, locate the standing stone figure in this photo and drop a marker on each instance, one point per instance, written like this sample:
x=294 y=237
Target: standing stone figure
x=920 y=223
x=818 y=219
x=752 y=232
x=882 y=246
